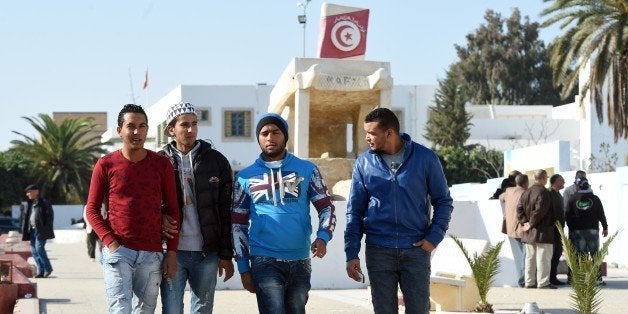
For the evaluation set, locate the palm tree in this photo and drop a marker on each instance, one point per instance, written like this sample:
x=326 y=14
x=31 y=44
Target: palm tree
x=596 y=30
x=484 y=267
x=62 y=157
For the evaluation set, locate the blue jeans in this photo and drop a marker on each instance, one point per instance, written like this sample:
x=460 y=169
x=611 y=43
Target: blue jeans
x=408 y=268
x=201 y=271
x=38 y=249
x=281 y=286
x=520 y=262
x=132 y=279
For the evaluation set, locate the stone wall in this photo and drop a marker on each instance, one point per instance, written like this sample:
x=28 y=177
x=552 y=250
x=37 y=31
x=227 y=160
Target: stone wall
x=334 y=169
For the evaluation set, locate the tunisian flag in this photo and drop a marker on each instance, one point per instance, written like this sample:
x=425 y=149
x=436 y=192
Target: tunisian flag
x=343 y=32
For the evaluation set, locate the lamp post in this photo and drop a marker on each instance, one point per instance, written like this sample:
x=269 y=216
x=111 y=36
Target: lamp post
x=302 y=18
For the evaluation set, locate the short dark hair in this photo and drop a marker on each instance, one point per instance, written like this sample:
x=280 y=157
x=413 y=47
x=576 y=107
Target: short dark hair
x=130 y=108
x=384 y=117
x=521 y=179
x=555 y=177
x=581 y=172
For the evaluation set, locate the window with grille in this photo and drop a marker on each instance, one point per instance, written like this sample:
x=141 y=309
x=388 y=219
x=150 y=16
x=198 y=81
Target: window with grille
x=237 y=124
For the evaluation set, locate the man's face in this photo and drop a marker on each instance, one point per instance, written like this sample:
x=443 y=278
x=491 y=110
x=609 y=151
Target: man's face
x=32 y=194
x=133 y=130
x=376 y=137
x=559 y=184
x=272 y=142
x=185 y=129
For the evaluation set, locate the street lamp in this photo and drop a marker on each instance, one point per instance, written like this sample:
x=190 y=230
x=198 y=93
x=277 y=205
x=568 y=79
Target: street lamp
x=302 y=18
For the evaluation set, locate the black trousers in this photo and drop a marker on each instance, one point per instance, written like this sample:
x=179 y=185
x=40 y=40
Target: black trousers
x=92 y=239
x=558 y=251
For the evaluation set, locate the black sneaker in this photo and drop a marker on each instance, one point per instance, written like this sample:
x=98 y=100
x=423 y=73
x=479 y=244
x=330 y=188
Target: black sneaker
x=47 y=274
x=530 y=287
x=39 y=276
x=557 y=282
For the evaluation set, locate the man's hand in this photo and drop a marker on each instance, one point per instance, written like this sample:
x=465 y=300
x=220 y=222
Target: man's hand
x=604 y=232
x=425 y=245
x=319 y=248
x=247 y=281
x=113 y=246
x=169 y=227
x=226 y=266
x=170 y=264
x=354 y=271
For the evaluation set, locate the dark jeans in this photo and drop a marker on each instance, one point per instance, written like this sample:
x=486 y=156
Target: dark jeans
x=406 y=268
x=586 y=242
x=281 y=286
x=558 y=251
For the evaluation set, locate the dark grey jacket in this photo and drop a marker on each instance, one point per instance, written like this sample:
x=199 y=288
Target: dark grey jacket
x=44 y=221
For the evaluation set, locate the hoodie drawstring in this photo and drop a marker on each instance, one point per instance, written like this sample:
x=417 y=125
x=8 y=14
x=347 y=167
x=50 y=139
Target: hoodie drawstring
x=272 y=184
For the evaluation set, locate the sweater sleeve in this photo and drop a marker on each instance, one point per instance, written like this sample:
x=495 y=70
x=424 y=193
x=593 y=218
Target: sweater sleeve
x=319 y=196
x=241 y=209
x=98 y=188
x=171 y=204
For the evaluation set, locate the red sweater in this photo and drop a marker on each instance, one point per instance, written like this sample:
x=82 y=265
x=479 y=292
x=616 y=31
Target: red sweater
x=135 y=191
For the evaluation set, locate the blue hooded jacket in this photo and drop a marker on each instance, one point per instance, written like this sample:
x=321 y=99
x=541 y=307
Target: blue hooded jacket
x=275 y=204
x=394 y=210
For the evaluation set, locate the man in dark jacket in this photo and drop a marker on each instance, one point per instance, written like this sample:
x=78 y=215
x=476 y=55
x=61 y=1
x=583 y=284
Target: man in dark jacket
x=37 y=227
x=393 y=185
x=584 y=215
x=557 y=183
x=535 y=214
x=204 y=184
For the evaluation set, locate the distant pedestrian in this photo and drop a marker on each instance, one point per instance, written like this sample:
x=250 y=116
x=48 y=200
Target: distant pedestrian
x=557 y=183
x=37 y=227
x=572 y=189
x=535 y=213
x=91 y=238
x=508 y=182
x=584 y=215
x=510 y=198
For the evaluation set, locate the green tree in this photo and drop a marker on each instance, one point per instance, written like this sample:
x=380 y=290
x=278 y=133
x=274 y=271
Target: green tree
x=448 y=124
x=62 y=158
x=472 y=163
x=15 y=177
x=508 y=67
x=595 y=30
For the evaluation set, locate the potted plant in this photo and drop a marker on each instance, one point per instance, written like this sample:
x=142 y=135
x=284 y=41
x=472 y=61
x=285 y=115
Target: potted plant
x=484 y=268
x=585 y=291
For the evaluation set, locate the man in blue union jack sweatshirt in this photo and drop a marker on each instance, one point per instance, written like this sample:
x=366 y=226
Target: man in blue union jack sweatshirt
x=271 y=221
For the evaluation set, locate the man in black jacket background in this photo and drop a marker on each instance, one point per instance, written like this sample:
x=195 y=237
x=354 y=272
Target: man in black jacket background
x=37 y=227
x=584 y=215
x=204 y=184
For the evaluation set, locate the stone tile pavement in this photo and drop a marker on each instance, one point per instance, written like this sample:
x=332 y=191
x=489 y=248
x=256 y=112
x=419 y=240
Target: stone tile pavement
x=76 y=286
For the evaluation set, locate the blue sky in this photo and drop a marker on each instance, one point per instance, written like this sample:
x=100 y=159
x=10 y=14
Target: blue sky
x=79 y=55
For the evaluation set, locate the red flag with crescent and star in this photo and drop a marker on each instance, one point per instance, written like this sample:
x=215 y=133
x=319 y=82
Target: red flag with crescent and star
x=343 y=32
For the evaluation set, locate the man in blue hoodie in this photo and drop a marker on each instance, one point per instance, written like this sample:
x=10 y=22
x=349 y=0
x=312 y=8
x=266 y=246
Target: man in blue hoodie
x=271 y=221
x=393 y=185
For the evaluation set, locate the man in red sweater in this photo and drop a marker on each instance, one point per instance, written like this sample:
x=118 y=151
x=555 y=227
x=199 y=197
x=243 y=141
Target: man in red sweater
x=136 y=182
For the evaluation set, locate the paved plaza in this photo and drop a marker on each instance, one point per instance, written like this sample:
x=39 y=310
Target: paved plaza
x=76 y=286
